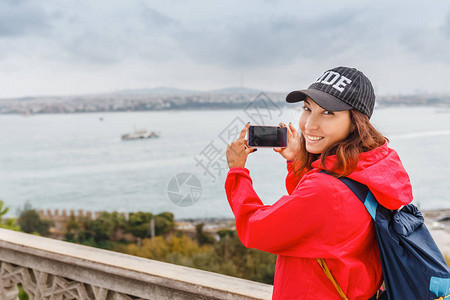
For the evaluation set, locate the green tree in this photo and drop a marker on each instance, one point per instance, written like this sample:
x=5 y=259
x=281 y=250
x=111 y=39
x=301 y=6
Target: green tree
x=203 y=237
x=73 y=229
x=10 y=223
x=139 y=224
x=101 y=232
x=30 y=221
x=164 y=223
x=225 y=232
x=3 y=211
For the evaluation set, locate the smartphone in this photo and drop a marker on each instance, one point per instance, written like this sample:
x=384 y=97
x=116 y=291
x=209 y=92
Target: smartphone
x=267 y=136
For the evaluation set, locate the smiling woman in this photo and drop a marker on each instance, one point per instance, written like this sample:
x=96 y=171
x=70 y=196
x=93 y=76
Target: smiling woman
x=321 y=219
x=322 y=128
x=344 y=133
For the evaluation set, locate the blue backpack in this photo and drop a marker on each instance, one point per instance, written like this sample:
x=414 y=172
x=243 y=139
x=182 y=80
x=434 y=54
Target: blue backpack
x=413 y=266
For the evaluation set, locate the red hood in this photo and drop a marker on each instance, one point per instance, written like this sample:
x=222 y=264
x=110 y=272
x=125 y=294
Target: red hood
x=382 y=171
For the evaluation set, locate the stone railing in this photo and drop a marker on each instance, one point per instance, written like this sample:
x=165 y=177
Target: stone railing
x=53 y=269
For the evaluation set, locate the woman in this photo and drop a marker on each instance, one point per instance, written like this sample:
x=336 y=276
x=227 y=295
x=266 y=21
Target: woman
x=320 y=217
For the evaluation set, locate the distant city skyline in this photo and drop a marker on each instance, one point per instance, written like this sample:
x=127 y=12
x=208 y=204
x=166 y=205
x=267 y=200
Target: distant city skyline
x=173 y=91
x=55 y=48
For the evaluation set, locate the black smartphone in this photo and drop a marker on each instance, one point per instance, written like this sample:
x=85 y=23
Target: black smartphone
x=267 y=136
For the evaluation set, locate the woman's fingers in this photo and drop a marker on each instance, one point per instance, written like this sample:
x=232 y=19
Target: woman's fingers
x=287 y=127
x=244 y=131
x=292 y=146
x=293 y=129
x=251 y=150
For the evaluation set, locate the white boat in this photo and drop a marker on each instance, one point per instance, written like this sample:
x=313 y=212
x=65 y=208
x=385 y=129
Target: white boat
x=141 y=134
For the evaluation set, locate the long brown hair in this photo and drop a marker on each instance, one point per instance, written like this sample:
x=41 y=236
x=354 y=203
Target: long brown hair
x=364 y=137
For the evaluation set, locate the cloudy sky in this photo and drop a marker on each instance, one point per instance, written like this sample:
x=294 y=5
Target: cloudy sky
x=60 y=47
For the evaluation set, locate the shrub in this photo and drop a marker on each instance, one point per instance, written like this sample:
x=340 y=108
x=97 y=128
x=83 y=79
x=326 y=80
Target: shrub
x=30 y=221
x=10 y=223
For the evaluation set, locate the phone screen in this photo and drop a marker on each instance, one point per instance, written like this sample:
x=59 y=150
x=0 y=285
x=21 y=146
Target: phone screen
x=267 y=136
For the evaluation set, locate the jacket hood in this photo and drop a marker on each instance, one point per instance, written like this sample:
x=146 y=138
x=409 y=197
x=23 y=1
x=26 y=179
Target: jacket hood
x=382 y=171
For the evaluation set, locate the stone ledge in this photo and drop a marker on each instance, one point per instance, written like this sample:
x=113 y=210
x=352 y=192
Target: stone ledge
x=127 y=274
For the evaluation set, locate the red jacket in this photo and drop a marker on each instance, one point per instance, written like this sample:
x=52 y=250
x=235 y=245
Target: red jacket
x=320 y=218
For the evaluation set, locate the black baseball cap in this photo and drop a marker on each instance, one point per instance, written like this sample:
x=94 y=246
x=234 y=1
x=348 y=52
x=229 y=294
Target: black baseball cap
x=338 y=89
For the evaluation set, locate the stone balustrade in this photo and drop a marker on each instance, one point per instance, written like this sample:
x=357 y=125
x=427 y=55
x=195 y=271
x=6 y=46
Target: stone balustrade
x=51 y=269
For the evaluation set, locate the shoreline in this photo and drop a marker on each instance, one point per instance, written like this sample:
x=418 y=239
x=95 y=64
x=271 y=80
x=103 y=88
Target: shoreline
x=437 y=222
x=442 y=107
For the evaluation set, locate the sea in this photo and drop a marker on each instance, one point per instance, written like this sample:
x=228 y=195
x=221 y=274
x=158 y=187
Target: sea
x=79 y=161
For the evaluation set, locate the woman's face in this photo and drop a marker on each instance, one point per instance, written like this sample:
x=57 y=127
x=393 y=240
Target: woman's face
x=322 y=128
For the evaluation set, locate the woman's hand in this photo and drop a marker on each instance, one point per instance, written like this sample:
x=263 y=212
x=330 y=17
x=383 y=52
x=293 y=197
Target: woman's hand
x=238 y=150
x=292 y=149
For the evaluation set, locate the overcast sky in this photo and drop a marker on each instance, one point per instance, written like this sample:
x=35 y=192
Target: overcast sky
x=60 y=47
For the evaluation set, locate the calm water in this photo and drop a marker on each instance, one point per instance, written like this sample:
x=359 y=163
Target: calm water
x=78 y=161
